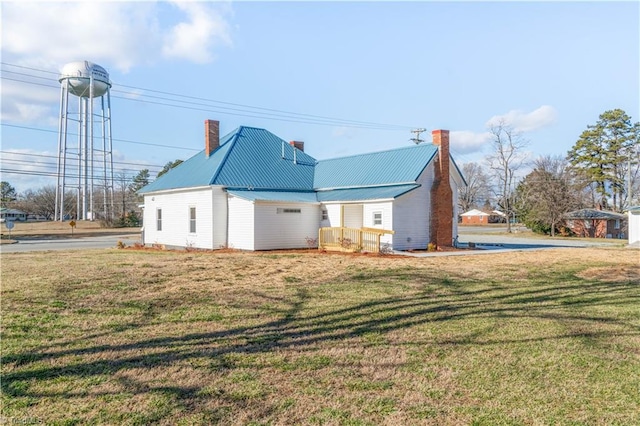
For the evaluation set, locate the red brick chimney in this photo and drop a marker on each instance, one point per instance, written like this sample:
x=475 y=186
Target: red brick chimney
x=441 y=194
x=297 y=144
x=211 y=136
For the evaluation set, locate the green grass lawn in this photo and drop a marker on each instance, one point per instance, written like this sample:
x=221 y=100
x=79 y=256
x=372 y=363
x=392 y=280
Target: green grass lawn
x=176 y=338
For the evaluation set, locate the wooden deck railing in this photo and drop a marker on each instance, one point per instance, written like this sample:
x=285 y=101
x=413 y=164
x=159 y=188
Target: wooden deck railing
x=351 y=239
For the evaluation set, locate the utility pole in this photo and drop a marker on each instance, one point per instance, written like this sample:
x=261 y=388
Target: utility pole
x=417 y=139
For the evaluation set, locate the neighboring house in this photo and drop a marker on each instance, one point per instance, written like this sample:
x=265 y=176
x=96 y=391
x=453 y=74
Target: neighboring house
x=634 y=224
x=596 y=223
x=497 y=217
x=475 y=217
x=478 y=217
x=12 y=214
x=252 y=190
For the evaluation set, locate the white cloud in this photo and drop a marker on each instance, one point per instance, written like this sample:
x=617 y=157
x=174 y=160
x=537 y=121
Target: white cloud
x=466 y=142
x=27 y=168
x=194 y=40
x=22 y=103
x=115 y=35
x=526 y=122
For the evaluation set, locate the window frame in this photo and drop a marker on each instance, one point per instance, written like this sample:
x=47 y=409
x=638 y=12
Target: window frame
x=288 y=210
x=373 y=218
x=192 y=219
x=158 y=219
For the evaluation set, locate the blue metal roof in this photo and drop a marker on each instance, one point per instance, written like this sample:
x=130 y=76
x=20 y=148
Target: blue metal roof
x=255 y=164
x=401 y=165
x=371 y=193
x=353 y=194
x=246 y=158
x=196 y=171
x=283 y=196
x=255 y=161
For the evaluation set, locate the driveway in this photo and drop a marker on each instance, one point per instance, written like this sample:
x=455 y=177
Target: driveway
x=77 y=243
x=494 y=240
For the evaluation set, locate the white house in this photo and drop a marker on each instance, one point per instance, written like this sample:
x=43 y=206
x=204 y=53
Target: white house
x=12 y=215
x=252 y=190
x=634 y=225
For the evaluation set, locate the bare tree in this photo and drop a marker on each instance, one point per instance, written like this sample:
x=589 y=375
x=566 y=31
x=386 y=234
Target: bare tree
x=121 y=191
x=477 y=191
x=550 y=191
x=507 y=158
x=42 y=202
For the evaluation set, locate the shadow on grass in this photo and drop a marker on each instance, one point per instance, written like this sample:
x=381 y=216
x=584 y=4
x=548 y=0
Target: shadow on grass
x=299 y=326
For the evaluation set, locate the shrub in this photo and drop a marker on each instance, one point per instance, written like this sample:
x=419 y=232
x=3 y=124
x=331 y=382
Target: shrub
x=311 y=242
x=385 y=248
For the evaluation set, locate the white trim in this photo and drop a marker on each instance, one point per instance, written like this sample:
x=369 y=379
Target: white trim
x=378 y=185
x=174 y=190
x=373 y=217
x=193 y=220
x=159 y=219
x=375 y=200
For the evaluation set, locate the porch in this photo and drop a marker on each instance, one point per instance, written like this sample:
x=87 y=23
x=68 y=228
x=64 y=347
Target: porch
x=351 y=239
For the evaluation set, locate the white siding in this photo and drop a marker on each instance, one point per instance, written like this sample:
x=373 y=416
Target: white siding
x=241 y=225
x=353 y=216
x=412 y=214
x=220 y=217
x=386 y=208
x=333 y=211
x=275 y=230
x=175 y=218
x=634 y=227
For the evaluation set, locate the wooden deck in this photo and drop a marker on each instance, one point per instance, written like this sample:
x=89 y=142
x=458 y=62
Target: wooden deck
x=351 y=239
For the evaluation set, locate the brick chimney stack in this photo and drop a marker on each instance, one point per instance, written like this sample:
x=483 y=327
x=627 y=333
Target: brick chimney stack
x=441 y=193
x=211 y=136
x=297 y=144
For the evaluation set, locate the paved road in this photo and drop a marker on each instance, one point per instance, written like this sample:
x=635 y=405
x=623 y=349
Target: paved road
x=77 y=243
x=488 y=240
x=484 y=238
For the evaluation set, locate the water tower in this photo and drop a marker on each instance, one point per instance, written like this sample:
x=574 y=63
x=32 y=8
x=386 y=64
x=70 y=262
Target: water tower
x=85 y=164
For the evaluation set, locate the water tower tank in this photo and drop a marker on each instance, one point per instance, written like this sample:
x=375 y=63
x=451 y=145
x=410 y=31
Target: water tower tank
x=79 y=73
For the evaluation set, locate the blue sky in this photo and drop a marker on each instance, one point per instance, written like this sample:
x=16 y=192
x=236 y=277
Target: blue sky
x=547 y=68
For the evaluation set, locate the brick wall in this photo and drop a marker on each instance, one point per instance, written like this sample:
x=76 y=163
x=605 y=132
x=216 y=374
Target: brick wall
x=211 y=136
x=441 y=194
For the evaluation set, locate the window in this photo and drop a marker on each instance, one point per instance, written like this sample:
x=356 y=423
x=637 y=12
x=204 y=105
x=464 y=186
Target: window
x=159 y=219
x=377 y=218
x=281 y=210
x=192 y=220
x=325 y=215
x=617 y=225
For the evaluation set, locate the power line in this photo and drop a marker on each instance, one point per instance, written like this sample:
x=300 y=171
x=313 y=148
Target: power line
x=240 y=109
x=70 y=177
x=115 y=139
x=51 y=167
x=53 y=156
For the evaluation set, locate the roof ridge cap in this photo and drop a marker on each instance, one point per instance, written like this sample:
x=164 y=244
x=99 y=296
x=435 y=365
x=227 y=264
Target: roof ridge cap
x=378 y=152
x=232 y=143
